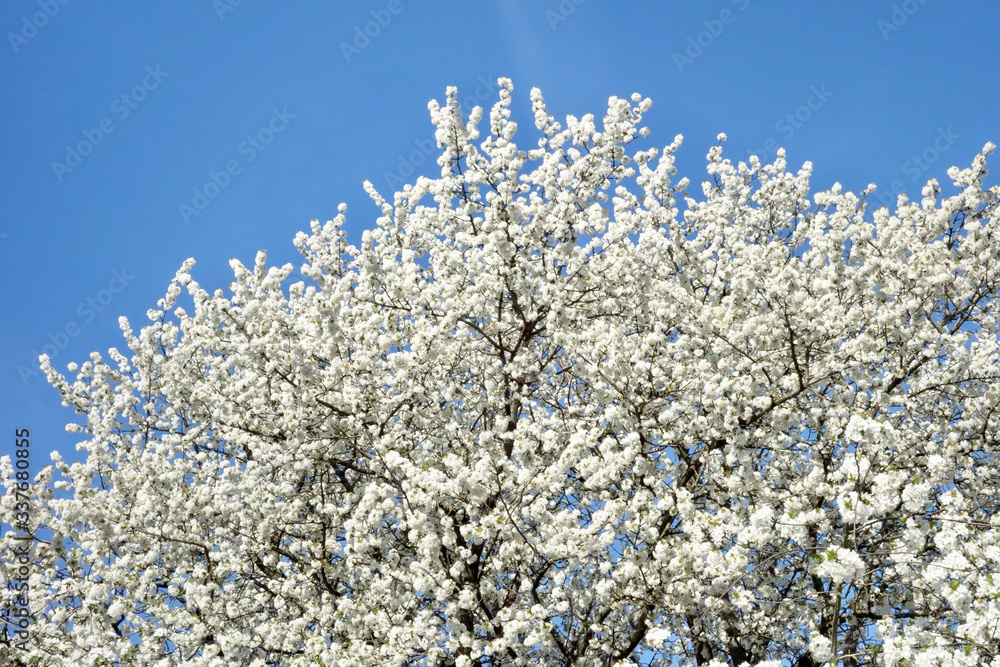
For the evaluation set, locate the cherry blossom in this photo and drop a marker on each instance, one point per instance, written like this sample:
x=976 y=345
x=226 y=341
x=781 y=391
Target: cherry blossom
x=560 y=407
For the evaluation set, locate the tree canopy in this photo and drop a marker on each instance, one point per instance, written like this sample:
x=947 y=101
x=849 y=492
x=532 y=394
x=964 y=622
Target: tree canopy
x=556 y=409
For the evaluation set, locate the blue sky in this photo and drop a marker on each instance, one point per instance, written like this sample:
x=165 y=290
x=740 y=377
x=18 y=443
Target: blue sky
x=136 y=135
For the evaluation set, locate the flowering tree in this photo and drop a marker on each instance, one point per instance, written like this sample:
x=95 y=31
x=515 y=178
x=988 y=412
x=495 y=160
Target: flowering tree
x=543 y=417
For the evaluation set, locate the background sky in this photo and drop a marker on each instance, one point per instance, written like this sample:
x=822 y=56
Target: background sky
x=134 y=135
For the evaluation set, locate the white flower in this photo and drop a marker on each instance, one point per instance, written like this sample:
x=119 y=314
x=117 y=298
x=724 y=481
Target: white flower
x=657 y=637
x=821 y=648
x=840 y=564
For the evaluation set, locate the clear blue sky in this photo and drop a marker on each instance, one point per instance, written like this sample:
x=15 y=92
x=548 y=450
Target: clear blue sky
x=114 y=113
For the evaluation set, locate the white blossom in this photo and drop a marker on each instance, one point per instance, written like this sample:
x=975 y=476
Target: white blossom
x=560 y=407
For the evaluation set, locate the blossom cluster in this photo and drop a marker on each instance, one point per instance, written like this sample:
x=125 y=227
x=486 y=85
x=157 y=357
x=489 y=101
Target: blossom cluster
x=559 y=407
